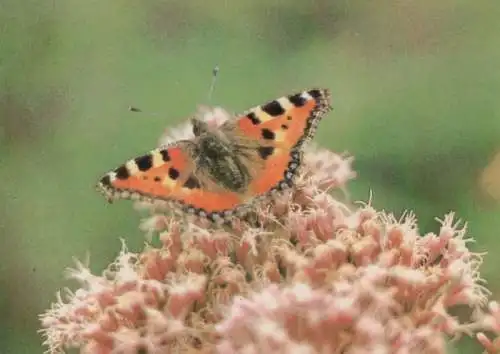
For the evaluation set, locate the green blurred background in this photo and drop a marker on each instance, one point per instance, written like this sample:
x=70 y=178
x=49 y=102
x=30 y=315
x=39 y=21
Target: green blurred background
x=415 y=86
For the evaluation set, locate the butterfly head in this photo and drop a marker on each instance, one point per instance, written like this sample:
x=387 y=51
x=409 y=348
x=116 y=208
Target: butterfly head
x=200 y=127
x=208 y=135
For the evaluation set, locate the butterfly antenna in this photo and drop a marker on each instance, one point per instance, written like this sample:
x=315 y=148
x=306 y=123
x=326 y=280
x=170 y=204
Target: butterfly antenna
x=215 y=71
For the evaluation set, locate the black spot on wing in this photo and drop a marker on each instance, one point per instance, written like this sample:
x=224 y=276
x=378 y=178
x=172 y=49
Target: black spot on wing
x=173 y=173
x=268 y=134
x=192 y=182
x=165 y=156
x=157 y=179
x=297 y=100
x=106 y=180
x=315 y=93
x=273 y=108
x=265 y=151
x=284 y=126
x=145 y=162
x=253 y=118
x=122 y=172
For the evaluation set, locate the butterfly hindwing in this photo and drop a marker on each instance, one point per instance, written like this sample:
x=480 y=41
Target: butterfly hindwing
x=276 y=132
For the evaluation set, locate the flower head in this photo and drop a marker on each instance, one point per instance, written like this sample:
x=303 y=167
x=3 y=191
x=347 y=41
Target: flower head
x=310 y=274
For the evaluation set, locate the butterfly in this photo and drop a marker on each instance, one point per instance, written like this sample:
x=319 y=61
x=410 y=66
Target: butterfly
x=220 y=172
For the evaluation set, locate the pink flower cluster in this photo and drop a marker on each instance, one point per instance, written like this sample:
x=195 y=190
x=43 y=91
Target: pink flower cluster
x=490 y=321
x=311 y=275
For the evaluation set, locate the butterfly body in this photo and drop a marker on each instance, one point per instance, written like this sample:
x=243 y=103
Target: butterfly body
x=219 y=158
x=222 y=170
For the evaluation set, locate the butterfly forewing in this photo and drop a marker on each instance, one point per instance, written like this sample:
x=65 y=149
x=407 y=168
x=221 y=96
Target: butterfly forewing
x=275 y=133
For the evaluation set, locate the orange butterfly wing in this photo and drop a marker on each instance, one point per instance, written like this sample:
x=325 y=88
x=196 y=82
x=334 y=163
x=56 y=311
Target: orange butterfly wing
x=167 y=174
x=272 y=135
x=280 y=128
